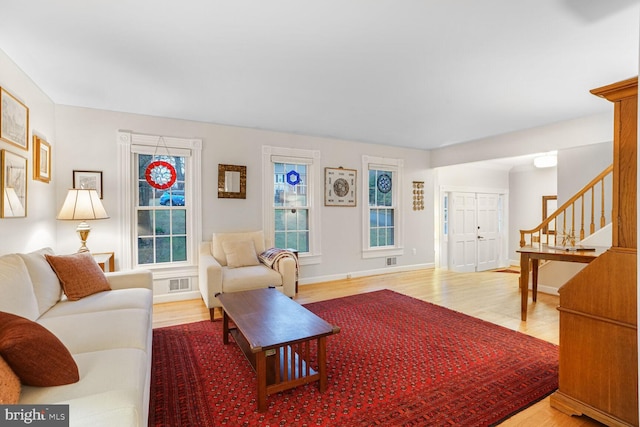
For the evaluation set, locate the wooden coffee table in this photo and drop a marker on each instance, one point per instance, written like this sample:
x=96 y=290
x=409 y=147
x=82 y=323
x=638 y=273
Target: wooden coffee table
x=275 y=333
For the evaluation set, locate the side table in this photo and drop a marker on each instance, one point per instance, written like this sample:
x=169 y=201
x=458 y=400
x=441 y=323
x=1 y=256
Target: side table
x=106 y=261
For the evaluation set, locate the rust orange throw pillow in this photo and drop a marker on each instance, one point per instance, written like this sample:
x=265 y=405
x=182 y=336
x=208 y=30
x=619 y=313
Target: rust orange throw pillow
x=79 y=274
x=36 y=355
x=9 y=385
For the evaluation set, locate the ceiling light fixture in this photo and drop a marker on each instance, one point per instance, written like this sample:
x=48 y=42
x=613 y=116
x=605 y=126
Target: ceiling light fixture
x=546 y=161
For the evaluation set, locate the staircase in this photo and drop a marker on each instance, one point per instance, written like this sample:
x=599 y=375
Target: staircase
x=587 y=206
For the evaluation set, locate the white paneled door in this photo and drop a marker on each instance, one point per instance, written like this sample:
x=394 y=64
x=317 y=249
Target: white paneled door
x=474 y=241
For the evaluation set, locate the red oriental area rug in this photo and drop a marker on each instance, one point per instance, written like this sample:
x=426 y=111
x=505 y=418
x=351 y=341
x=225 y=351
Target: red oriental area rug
x=396 y=361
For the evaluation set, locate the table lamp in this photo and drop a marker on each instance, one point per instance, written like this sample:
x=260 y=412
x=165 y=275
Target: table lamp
x=83 y=205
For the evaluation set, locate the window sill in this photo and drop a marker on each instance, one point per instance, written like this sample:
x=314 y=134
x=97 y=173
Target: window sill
x=382 y=253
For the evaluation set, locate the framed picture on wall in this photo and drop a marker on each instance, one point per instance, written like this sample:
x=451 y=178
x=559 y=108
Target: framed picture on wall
x=88 y=180
x=14 y=120
x=41 y=159
x=14 y=185
x=340 y=186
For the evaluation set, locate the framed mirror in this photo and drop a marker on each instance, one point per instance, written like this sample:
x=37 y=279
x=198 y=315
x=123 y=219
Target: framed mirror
x=232 y=182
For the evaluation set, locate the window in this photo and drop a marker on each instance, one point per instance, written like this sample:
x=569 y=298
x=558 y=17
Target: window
x=161 y=214
x=163 y=225
x=292 y=201
x=445 y=215
x=291 y=206
x=382 y=224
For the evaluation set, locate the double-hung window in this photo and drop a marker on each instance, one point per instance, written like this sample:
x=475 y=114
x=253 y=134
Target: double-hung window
x=382 y=221
x=160 y=180
x=292 y=201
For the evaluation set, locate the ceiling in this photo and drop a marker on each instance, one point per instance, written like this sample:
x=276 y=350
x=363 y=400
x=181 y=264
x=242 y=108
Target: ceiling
x=412 y=73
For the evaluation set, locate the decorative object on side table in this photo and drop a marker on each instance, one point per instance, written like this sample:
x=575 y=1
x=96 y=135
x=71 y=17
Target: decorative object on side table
x=88 y=180
x=232 y=182
x=41 y=159
x=14 y=120
x=14 y=185
x=418 y=195
x=83 y=205
x=340 y=187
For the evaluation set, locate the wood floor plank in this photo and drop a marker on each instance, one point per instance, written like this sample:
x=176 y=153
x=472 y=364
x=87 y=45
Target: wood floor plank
x=491 y=296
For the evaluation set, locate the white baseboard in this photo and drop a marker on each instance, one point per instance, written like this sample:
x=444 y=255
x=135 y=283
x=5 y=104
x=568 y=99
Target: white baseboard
x=177 y=296
x=364 y=273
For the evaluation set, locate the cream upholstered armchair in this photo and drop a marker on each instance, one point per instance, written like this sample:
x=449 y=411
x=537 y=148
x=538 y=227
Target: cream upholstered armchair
x=230 y=262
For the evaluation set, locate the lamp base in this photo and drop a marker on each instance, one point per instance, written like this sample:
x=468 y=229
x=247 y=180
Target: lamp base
x=83 y=231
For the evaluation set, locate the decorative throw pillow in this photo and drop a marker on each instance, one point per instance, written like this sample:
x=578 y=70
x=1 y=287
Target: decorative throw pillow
x=9 y=385
x=79 y=274
x=16 y=288
x=36 y=356
x=46 y=285
x=240 y=253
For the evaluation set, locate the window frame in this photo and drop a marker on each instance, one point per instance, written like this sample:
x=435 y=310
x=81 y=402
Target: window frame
x=131 y=144
x=396 y=166
x=311 y=158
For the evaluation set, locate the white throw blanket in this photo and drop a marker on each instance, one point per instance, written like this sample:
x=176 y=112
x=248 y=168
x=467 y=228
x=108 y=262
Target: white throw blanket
x=271 y=256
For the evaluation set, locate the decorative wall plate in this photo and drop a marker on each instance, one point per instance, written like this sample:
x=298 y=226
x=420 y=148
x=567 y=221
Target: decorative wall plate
x=340 y=187
x=384 y=183
x=160 y=174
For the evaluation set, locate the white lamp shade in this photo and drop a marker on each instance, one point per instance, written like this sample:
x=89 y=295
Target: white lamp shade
x=82 y=204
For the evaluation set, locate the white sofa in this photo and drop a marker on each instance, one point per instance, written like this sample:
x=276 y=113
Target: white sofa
x=217 y=275
x=109 y=335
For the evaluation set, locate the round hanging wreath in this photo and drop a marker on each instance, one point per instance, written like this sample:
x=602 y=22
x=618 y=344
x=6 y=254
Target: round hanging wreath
x=160 y=174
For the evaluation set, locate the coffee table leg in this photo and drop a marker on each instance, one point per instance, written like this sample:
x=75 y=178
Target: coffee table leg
x=322 y=363
x=225 y=327
x=261 y=374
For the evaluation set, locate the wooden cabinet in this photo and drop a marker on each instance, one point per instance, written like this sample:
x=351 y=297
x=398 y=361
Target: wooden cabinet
x=598 y=307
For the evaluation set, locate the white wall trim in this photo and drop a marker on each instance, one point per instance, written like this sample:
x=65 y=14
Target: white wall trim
x=364 y=273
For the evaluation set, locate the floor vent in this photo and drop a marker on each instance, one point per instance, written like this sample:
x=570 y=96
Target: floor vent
x=391 y=260
x=179 y=285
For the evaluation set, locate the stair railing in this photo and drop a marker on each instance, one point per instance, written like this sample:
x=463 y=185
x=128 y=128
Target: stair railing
x=537 y=234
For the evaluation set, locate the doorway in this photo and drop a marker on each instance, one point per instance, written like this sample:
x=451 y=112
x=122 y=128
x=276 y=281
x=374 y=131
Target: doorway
x=475 y=228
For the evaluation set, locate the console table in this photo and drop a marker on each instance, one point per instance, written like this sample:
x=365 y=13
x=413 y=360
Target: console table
x=533 y=254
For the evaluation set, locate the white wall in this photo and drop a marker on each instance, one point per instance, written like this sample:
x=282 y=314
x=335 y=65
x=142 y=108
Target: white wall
x=558 y=136
x=38 y=228
x=579 y=165
x=88 y=142
x=527 y=186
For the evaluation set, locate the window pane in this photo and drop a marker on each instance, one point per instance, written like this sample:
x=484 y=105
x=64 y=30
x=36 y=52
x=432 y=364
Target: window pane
x=373 y=237
x=145 y=251
x=292 y=220
x=163 y=249
x=373 y=218
x=303 y=219
x=279 y=220
x=303 y=241
x=179 y=248
x=390 y=217
x=179 y=221
x=390 y=237
x=145 y=223
x=280 y=240
x=163 y=225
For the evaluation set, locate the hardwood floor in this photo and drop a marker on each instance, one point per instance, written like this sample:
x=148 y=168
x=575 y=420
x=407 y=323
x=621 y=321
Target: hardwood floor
x=490 y=296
